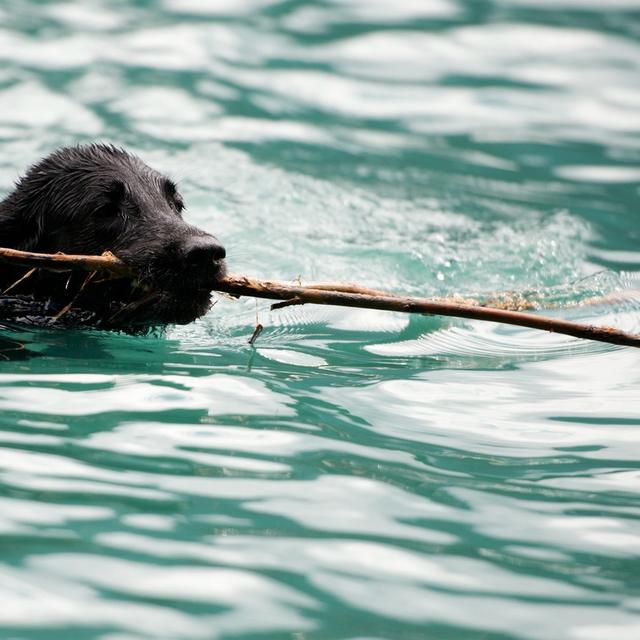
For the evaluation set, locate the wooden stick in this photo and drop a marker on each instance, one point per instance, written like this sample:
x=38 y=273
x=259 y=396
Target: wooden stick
x=344 y=295
x=63 y=262
x=240 y=285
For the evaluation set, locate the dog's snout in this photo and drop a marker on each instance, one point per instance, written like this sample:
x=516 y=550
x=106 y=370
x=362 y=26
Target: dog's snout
x=202 y=252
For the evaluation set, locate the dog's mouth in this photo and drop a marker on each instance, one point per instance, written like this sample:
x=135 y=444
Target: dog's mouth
x=156 y=297
x=177 y=280
x=209 y=279
x=184 y=284
x=162 y=295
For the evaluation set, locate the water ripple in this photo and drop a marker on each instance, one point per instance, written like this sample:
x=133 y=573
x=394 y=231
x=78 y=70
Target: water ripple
x=353 y=473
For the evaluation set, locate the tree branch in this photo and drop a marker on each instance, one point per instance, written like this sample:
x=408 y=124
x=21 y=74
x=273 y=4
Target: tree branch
x=339 y=294
x=63 y=262
x=240 y=285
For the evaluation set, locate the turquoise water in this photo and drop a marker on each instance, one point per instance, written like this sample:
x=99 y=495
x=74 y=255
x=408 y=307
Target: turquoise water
x=356 y=475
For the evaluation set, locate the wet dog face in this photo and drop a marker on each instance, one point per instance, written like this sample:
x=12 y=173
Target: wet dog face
x=96 y=198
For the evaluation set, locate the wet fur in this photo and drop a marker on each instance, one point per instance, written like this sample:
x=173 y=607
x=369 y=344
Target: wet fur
x=94 y=198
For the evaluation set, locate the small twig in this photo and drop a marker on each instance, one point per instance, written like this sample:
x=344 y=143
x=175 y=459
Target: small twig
x=136 y=304
x=347 y=287
x=19 y=280
x=256 y=332
x=62 y=262
x=286 y=303
x=68 y=306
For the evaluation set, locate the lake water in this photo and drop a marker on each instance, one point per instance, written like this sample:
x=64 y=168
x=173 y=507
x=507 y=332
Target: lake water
x=356 y=475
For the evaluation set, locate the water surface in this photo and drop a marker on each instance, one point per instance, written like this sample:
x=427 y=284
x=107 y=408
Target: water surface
x=357 y=474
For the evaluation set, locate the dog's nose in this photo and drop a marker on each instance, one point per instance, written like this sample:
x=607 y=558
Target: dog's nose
x=201 y=252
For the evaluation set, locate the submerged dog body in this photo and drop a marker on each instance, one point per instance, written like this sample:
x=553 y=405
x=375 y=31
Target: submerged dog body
x=95 y=198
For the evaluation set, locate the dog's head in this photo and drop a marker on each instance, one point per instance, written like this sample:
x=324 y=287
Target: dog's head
x=93 y=198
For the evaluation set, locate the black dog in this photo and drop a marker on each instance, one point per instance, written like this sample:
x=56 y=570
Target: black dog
x=95 y=198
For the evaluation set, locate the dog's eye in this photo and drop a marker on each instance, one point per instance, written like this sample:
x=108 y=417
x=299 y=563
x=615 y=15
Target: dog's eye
x=116 y=192
x=115 y=196
x=173 y=196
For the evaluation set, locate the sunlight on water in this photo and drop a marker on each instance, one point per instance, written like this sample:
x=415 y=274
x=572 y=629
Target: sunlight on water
x=357 y=474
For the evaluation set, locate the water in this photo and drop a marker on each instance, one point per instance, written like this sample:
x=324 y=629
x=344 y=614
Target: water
x=356 y=474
